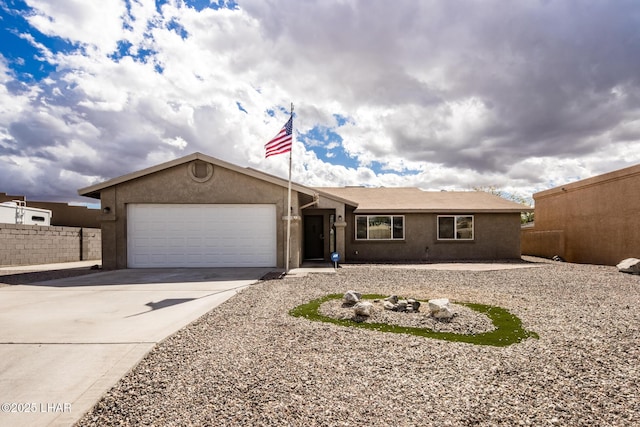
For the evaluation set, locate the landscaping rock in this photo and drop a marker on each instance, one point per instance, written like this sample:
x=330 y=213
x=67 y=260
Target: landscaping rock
x=439 y=308
x=629 y=265
x=414 y=305
x=409 y=305
x=351 y=297
x=393 y=299
x=388 y=305
x=363 y=308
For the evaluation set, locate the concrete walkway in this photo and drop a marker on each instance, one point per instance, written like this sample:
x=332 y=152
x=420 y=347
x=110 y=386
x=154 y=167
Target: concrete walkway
x=64 y=343
x=463 y=266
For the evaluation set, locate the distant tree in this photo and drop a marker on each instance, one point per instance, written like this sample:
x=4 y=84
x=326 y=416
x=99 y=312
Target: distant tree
x=525 y=217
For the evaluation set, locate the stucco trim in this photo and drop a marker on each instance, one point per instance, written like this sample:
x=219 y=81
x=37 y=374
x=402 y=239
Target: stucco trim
x=191 y=167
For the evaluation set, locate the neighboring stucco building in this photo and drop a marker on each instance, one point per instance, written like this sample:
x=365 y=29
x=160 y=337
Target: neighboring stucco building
x=63 y=214
x=198 y=211
x=592 y=221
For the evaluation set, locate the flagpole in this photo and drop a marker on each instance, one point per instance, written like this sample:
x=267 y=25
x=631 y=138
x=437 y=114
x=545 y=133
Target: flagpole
x=286 y=264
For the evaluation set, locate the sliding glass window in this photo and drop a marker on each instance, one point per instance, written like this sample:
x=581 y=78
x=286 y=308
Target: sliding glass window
x=379 y=227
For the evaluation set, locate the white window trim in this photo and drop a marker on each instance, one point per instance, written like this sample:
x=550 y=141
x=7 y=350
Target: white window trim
x=367 y=239
x=455 y=224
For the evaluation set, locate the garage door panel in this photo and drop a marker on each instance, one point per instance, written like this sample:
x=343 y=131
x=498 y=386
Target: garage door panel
x=201 y=235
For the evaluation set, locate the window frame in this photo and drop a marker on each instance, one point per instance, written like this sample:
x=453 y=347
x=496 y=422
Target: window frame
x=392 y=223
x=455 y=228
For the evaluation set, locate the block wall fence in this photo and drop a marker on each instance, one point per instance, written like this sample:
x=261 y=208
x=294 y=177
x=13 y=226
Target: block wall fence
x=34 y=244
x=545 y=244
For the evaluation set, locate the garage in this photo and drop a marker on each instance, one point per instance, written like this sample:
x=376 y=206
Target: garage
x=201 y=235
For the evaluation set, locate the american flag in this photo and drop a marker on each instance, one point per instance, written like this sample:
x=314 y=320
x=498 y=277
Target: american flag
x=281 y=143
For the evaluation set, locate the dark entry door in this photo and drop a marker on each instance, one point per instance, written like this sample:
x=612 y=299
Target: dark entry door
x=313 y=237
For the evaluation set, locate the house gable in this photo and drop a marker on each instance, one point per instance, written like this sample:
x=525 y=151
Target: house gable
x=190 y=161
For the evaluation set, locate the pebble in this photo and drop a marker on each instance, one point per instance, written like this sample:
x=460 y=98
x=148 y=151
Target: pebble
x=248 y=362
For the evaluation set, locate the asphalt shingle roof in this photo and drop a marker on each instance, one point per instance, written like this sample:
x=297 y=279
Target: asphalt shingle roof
x=412 y=199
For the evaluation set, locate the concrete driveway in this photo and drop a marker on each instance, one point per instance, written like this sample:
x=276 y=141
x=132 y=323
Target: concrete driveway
x=64 y=343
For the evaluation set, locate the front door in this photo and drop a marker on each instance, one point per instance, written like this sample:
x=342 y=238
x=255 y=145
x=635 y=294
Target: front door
x=313 y=237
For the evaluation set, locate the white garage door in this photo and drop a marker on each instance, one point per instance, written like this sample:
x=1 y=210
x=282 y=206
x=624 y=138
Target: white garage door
x=200 y=235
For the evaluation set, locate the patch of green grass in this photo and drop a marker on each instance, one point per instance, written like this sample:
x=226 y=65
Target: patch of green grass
x=508 y=327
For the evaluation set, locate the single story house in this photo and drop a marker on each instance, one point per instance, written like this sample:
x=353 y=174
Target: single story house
x=591 y=221
x=199 y=211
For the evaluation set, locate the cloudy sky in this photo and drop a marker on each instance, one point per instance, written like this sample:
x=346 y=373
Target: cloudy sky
x=440 y=94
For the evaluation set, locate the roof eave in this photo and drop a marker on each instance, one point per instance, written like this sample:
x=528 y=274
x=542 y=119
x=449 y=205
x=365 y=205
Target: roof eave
x=334 y=197
x=92 y=190
x=439 y=211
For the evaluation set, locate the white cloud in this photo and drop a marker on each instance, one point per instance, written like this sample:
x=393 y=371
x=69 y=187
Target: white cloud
x=437 y=94
x=96 y=24
x=177 y=142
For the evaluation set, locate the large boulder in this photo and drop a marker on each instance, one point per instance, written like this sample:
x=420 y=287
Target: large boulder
x=439 y=308
x=363 y=308
x=629 y=265
x=351 y=297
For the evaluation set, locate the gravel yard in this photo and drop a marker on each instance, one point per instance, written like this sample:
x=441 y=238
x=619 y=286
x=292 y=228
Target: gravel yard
x=248 y=362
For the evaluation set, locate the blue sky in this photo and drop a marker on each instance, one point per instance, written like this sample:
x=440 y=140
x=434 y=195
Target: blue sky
x=22 y=56
x=520 y=96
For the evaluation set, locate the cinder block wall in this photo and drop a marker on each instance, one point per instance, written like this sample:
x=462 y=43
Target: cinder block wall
x=91 y=244
x=33 y=244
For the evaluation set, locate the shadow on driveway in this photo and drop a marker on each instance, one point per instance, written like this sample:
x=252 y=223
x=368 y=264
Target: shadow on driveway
x=28 y=277
x=91 y=277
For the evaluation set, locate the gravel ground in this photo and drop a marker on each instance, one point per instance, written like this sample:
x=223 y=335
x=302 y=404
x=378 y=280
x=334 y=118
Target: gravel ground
x=248 y=362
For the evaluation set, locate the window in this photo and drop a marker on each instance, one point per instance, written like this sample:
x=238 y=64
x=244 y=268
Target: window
x=455 y=227
x=37 y=218
x=379 y=227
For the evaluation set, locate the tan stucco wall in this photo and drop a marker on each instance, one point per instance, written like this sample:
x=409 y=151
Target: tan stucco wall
x=70 y=216
x=62 y=214
x=497 y=236
x=175 y=185
x=598 y=217
x=546 y=244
